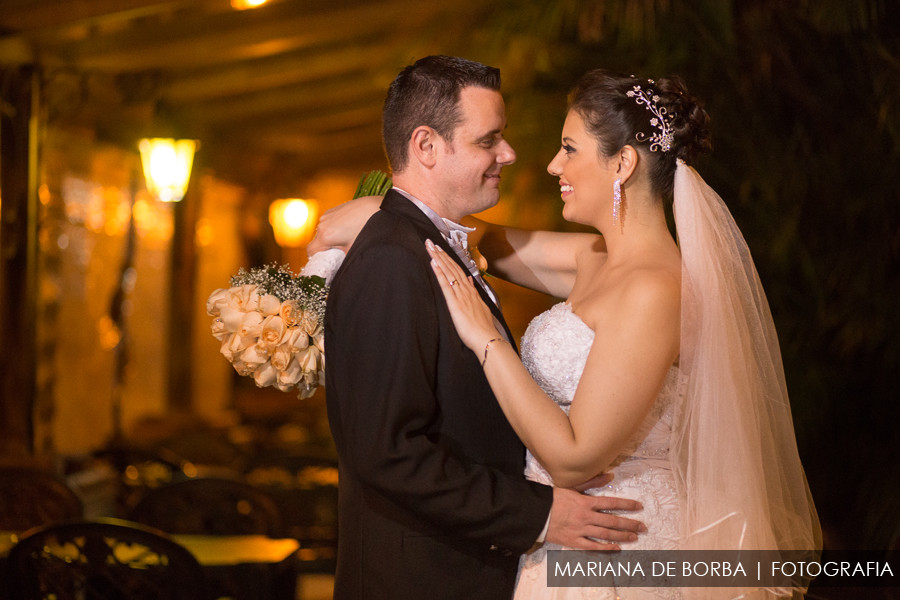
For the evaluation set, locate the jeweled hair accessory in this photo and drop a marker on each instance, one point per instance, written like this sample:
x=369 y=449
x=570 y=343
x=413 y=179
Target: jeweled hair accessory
x=661 y=120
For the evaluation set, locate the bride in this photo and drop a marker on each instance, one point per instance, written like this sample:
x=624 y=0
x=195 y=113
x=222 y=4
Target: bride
x=662 y=366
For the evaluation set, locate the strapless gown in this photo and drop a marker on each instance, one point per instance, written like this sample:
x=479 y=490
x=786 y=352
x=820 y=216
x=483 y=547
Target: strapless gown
x=554 y=349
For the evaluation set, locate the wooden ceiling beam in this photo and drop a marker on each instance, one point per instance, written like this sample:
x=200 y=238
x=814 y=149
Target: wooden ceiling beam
x=203 y=41
x=286 y=101
x=342 y=119
x=44 y=16
x=292 y=155
x=363 y=139
x=243 y=77
x=300 y=80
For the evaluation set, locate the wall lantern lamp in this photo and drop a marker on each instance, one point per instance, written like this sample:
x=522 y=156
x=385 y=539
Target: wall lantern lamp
x=167 y=166
x=245 y=4
x=293 y=221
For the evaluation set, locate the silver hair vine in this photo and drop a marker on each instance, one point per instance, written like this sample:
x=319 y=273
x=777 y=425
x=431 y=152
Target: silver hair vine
x=662 y=140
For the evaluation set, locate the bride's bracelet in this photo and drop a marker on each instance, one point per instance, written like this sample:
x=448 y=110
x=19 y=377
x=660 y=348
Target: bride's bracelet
x=487 y=347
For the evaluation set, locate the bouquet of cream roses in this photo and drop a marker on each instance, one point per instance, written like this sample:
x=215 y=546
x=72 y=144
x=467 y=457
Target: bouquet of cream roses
x=270 y=321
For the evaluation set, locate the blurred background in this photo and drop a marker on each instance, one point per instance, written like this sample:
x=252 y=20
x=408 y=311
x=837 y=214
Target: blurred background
x=106 y=344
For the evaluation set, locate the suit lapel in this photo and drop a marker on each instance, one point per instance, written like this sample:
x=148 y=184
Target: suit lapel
x=396 y=203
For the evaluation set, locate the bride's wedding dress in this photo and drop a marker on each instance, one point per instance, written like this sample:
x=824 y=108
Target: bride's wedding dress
x=555 y=348
x=715 y=463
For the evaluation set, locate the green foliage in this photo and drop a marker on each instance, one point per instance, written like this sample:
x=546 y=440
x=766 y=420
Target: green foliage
x=373 y=183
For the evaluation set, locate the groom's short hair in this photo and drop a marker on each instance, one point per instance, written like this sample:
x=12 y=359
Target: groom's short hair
x=427 y=93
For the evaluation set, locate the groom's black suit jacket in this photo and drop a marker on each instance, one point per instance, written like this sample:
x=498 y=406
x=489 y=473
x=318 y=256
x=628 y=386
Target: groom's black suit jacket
x=433 y=503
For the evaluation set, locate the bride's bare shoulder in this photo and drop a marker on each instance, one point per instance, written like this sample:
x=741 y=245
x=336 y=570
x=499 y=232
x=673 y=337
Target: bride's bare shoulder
x=651 y=295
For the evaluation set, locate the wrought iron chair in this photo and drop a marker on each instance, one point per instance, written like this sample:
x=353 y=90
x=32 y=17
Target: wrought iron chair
x=140 y=469
x=208 y=505
x=30 y=497
x=106 y=559
x=207 y=449
x=306 y=490
x=223 y=507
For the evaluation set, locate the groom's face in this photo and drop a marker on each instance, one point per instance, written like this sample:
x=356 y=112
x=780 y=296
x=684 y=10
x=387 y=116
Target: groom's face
x=469 y=165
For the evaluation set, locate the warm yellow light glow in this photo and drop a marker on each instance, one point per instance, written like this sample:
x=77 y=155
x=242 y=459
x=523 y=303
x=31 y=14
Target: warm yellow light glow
x=205 y=233
x=293 y=221
x=167 y=167
x=244 y=4
x=295 y=214
x=154 y=221
x=110 y=334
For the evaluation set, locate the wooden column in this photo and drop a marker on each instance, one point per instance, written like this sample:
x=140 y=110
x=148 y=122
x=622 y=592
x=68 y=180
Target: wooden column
x=19 y=93
x=182 y=298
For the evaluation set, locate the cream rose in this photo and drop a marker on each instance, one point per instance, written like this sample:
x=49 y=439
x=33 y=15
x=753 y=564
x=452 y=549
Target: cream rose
x=282 y=387
x=237 y=343
x=319 y=341
x=251 y=325
x=282 y=357
x=309 y=360
x=232 y=318
x=291 y=374
x=219 y=331
x=216 y=301
x=241 y=368
x=244 y=297
x=269 y=305
x=271 y=331
x=291 y=312
x=225 y=348
x=310 y=323
x=298 y=339
x=265 y=375
x=254 y=356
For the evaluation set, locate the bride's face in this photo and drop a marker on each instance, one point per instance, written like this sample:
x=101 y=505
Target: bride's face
x=585 y=176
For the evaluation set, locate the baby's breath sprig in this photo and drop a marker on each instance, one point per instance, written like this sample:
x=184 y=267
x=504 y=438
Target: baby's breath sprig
x=278 y=280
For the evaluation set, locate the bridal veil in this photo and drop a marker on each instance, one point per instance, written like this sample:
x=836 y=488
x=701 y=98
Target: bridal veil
x=738 y=471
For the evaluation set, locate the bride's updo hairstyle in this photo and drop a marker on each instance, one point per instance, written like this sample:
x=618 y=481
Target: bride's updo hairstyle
x=658 y=118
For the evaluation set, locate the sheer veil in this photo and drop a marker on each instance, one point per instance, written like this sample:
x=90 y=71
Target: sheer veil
x=738 y=470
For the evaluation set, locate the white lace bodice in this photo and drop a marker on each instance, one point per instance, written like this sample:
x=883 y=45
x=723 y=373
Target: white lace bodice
x=554 y=349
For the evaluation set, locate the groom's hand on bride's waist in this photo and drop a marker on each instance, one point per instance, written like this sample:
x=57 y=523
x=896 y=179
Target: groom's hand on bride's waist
x=582 y=522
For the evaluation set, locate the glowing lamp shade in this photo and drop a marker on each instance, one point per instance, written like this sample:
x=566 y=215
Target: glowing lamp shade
x=293 y=221
x=167 y=166
x=245 y=4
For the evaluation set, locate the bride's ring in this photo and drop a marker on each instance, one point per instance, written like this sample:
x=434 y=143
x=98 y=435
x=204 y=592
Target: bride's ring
x=454 y=282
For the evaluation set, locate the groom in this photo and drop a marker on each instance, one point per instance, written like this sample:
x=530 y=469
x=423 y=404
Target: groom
x=433 y=502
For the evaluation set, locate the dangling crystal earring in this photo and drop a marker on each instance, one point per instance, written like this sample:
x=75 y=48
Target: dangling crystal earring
x=617 y=200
